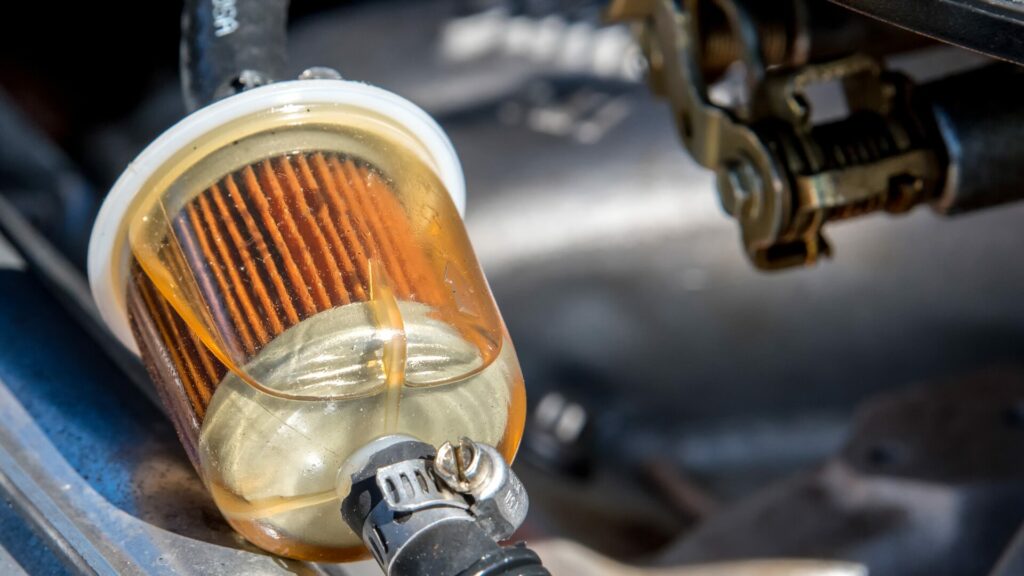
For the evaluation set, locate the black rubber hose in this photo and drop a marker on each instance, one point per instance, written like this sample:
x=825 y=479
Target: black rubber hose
x=230 y=45
x=508 y=561
x=980 y=114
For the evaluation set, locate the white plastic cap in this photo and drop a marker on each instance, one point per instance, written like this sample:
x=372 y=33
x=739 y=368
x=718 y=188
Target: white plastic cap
x=108 y=270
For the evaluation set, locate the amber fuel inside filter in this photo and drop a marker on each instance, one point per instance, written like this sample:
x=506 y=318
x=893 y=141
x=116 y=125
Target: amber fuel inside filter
x=291 y=265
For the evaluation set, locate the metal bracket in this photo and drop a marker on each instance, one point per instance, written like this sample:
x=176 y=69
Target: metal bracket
x=777 y=174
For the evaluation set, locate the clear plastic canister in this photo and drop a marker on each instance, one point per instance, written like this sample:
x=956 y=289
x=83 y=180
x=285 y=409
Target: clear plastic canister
x=293 y=270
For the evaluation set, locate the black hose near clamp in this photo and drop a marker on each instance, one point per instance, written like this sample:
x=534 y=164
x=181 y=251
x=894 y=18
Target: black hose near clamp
x=230 y=45
x=414 y=522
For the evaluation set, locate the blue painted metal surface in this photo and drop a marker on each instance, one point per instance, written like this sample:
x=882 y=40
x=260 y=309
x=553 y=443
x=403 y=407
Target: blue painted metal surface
x=76 y=394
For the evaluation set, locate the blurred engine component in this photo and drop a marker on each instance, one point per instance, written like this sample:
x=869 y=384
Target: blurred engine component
x=781 y=171
x=989 y=26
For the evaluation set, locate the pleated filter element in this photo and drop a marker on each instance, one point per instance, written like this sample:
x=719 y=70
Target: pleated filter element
x=299 y=282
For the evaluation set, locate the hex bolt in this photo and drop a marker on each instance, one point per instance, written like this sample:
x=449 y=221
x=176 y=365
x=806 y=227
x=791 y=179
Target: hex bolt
x=739 y=187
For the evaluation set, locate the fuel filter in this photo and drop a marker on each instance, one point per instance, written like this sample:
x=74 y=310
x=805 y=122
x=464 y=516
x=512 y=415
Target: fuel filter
x=291 y=265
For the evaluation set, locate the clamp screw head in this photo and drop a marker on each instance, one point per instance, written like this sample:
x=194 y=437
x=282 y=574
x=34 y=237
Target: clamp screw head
x=459 y=466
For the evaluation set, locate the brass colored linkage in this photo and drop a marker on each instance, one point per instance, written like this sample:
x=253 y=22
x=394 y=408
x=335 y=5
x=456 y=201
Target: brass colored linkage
x=778 y=174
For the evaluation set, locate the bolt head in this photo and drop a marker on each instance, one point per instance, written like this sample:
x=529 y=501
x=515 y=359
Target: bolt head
x=739 y=188
x=459 y=465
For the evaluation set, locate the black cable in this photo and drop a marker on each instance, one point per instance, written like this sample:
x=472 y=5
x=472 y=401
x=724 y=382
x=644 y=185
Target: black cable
x=230 y=45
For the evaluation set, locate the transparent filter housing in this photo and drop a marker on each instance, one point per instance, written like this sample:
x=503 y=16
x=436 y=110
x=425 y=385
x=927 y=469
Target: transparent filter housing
x=299 y=282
